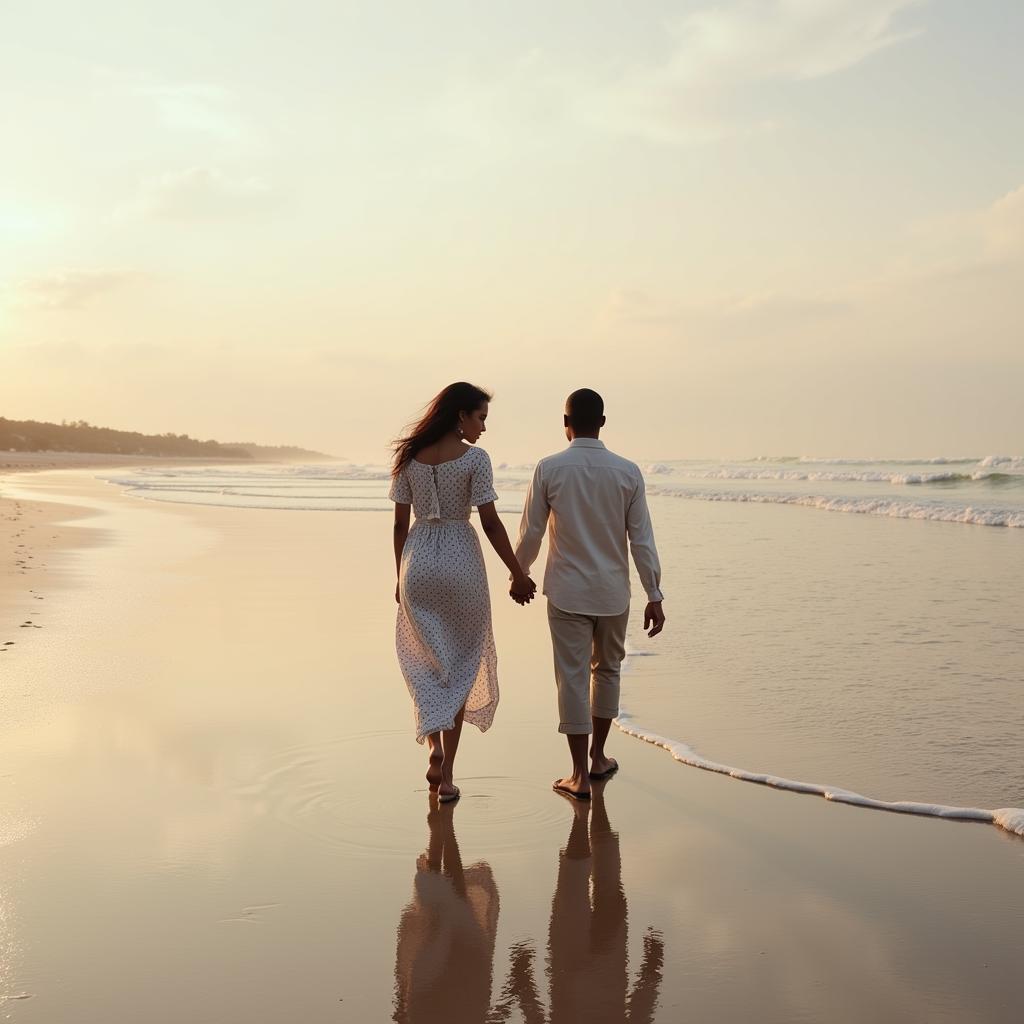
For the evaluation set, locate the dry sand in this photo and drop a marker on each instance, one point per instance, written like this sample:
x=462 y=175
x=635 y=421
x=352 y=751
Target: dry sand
x=214 y=811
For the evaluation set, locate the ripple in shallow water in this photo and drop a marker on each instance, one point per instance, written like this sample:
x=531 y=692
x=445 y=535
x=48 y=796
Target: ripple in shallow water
x=310 y=788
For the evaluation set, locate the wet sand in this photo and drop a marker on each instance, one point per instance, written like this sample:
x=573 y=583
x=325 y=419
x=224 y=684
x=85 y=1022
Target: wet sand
x=31 y=535
x=214 y=811
x=30 y=462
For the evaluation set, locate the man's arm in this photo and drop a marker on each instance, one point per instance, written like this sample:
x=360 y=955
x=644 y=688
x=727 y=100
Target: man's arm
x=645 y=556
x=534 y=522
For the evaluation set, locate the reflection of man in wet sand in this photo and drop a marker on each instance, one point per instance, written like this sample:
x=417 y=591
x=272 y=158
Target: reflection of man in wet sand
x=446 y=934
x=587 y=939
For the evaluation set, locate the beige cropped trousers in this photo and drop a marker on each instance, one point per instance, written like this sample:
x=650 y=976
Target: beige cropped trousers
x=588 y=652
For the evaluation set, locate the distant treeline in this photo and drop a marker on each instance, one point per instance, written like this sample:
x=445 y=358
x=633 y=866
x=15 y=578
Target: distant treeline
x=79 y=436
x=281 y=453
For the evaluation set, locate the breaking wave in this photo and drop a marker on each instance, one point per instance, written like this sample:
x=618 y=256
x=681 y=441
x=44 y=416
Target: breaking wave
x=893 y=508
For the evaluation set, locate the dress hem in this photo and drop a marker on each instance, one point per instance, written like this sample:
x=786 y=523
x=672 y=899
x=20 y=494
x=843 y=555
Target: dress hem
x=483 y=727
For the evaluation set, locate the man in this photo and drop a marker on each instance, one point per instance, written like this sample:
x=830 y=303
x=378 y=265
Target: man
x=594 y=502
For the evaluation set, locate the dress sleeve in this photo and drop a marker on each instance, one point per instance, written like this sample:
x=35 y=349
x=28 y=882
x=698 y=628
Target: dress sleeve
x=481 y=491
x=401 y=490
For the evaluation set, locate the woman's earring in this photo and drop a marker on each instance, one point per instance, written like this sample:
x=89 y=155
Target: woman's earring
x=458 y=427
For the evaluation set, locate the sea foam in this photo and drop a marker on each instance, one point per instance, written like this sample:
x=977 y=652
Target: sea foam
x=1011 y=819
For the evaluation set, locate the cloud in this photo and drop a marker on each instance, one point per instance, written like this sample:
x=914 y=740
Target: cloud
x=949 y=291
x=1003 y=225
x=632 y=307
x=67 y=289
x=985 y=240
x=203 y=193
x=756 y=40
x=708 y=85
x=200 y=108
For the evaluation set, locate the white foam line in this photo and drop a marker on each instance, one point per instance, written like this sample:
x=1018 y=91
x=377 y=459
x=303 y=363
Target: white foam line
x=1009 y=818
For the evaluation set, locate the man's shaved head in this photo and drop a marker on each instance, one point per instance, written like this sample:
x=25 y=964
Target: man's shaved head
x=584 y=411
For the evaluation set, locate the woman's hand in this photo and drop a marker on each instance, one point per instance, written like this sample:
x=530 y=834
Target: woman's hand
x=523 y=589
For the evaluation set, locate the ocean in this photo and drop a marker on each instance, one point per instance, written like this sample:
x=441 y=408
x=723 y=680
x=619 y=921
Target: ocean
x=848 y=627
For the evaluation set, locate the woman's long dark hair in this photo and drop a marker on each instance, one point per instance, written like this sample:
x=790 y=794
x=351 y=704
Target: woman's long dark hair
x=441 y=417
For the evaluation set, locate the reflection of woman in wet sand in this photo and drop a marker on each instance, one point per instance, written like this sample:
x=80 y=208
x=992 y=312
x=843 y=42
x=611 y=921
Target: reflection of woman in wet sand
x=446 y=934
x=587 y=939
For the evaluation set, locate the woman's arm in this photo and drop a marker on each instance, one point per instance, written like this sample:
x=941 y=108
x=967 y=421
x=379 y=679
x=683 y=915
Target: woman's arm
x=523 y=587
x=401 y=533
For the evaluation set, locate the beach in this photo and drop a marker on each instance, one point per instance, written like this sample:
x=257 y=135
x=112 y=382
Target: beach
x=214 y=806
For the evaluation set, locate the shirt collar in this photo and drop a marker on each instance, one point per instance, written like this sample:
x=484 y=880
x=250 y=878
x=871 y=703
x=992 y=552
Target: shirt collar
x=586 y=442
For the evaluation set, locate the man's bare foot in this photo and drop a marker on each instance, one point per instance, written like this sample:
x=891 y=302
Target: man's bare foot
x=435 y=771
x=573 y=786
x=601 y=767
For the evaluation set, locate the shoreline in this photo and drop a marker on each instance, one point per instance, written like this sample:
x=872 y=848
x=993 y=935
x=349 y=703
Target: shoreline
x=33 y=534
x=31 y=462
x=34 y=531
x=1009 y=819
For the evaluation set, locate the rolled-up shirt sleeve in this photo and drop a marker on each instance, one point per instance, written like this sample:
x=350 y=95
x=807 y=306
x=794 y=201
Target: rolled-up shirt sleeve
x=534 y=522
x=641 y=543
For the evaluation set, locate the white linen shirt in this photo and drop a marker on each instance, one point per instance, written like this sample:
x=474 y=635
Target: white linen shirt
x=594 y=502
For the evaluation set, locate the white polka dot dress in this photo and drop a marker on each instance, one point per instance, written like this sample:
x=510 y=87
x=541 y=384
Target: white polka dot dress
x=443 y=635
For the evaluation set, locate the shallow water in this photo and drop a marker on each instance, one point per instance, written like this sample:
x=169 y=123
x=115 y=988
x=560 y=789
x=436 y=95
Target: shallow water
x=880 y=652
x=877 y=655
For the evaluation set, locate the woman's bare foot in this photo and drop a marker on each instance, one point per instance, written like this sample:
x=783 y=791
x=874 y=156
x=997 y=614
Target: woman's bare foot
x=447 y=791
x=435 y=770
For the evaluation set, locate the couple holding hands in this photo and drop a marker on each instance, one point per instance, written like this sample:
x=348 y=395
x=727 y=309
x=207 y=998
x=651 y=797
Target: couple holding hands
x=592 y=505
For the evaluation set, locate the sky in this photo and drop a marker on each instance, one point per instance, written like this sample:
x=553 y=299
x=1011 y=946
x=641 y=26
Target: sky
x=757 y=227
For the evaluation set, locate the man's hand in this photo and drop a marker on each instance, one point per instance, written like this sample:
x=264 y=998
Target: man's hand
x=654 y=618
x=522 y=590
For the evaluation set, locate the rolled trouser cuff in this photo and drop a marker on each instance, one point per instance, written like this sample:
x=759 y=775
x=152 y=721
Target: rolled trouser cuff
x=572 y=729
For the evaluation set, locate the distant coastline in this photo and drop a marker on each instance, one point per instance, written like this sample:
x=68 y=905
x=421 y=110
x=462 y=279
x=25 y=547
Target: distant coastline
x=81 y=437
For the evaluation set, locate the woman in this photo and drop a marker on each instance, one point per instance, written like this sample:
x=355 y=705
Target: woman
x=444 y=639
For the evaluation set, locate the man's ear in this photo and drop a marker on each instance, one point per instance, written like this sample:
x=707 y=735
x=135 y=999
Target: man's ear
x=602 y=421
x=565 y=421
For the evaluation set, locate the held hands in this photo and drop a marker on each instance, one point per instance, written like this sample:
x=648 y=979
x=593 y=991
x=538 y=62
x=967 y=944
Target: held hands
x=523 y=589
x=654 y=618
